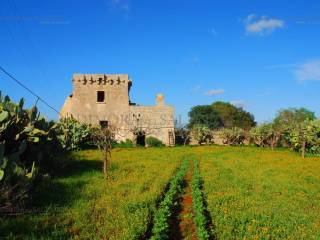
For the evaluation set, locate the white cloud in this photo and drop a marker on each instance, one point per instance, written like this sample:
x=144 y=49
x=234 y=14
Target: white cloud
x=261 y=25
x=308 y=71
x=238 y=103
x=214 y=92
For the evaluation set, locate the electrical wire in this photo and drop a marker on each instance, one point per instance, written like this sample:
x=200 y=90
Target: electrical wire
x=28 y=89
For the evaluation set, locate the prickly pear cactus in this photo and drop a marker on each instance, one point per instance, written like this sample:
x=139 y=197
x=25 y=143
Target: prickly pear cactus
x=23 y=134
x=3 y=162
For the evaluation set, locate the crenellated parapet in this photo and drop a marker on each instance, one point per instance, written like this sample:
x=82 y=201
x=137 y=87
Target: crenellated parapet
x=101 y=79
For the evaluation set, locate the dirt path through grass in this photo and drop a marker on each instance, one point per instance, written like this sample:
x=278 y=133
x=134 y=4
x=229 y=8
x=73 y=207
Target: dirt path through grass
x=183 y=226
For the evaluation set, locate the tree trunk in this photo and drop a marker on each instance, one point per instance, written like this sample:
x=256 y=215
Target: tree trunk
x=105 y=164
x=303 y=149
x=105 y=170
x=185 y=141
x=273 y=142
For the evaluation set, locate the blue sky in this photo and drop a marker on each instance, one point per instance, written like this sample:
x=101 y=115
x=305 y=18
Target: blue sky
x=262 y=55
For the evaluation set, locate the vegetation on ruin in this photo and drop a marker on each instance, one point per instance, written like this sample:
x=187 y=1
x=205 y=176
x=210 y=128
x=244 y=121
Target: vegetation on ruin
x=154 y=142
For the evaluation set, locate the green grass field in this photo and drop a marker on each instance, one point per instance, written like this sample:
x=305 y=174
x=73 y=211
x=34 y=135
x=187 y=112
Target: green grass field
x=251 y=193
x=255 y=193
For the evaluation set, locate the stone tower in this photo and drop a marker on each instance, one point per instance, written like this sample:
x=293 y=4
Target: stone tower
x=104 y=99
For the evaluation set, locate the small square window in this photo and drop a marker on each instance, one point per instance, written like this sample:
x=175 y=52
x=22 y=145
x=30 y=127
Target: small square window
x=103 y=124
x=100 y=96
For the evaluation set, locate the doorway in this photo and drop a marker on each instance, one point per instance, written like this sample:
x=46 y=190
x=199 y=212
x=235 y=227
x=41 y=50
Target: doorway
x=141 y=139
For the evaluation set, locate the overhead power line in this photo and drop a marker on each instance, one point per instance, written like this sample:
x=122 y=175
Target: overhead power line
x=28 y=89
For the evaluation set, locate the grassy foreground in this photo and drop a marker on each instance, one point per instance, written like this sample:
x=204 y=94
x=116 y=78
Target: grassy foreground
x=84 y=205
x=257 y=193
x=251 y=193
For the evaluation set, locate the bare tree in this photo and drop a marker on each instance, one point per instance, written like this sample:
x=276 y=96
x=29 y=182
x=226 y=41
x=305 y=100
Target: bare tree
x=103 y=137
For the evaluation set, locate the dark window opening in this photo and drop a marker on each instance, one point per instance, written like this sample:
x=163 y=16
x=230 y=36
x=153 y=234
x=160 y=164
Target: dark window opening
x=103 y=124
x=100 y=96
x=141 y=139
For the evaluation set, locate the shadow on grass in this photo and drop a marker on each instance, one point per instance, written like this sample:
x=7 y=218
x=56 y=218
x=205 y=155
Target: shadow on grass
x=47 y=212
x=67 y=186
x=79 y=167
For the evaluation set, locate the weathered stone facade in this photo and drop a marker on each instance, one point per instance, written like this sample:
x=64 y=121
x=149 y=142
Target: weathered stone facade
x=104 y=99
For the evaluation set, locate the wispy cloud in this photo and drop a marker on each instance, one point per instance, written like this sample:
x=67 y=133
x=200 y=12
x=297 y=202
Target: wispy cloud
x=308 y=71
x=266 y=93
x=196 y=88
x=214 y=32
x=195 y=60
x=122 y=5
x=214 y=92
x=238 y=103
x=261 y=25
x=281 y=66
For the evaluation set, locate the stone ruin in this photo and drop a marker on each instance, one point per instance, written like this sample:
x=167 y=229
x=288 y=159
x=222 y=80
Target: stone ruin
x=104 y=99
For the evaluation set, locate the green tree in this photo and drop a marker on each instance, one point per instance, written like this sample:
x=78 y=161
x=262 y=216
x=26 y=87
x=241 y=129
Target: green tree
x=305 y=137
x=232 y=116
x=293 y=116
x=288 y=120
x=204 y=115
x=266 y=134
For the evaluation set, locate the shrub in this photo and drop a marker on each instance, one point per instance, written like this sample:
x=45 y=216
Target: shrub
x=201 y=134
x=234 y=136
x=153 y=142
x=123 y=144
x=72 y=134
